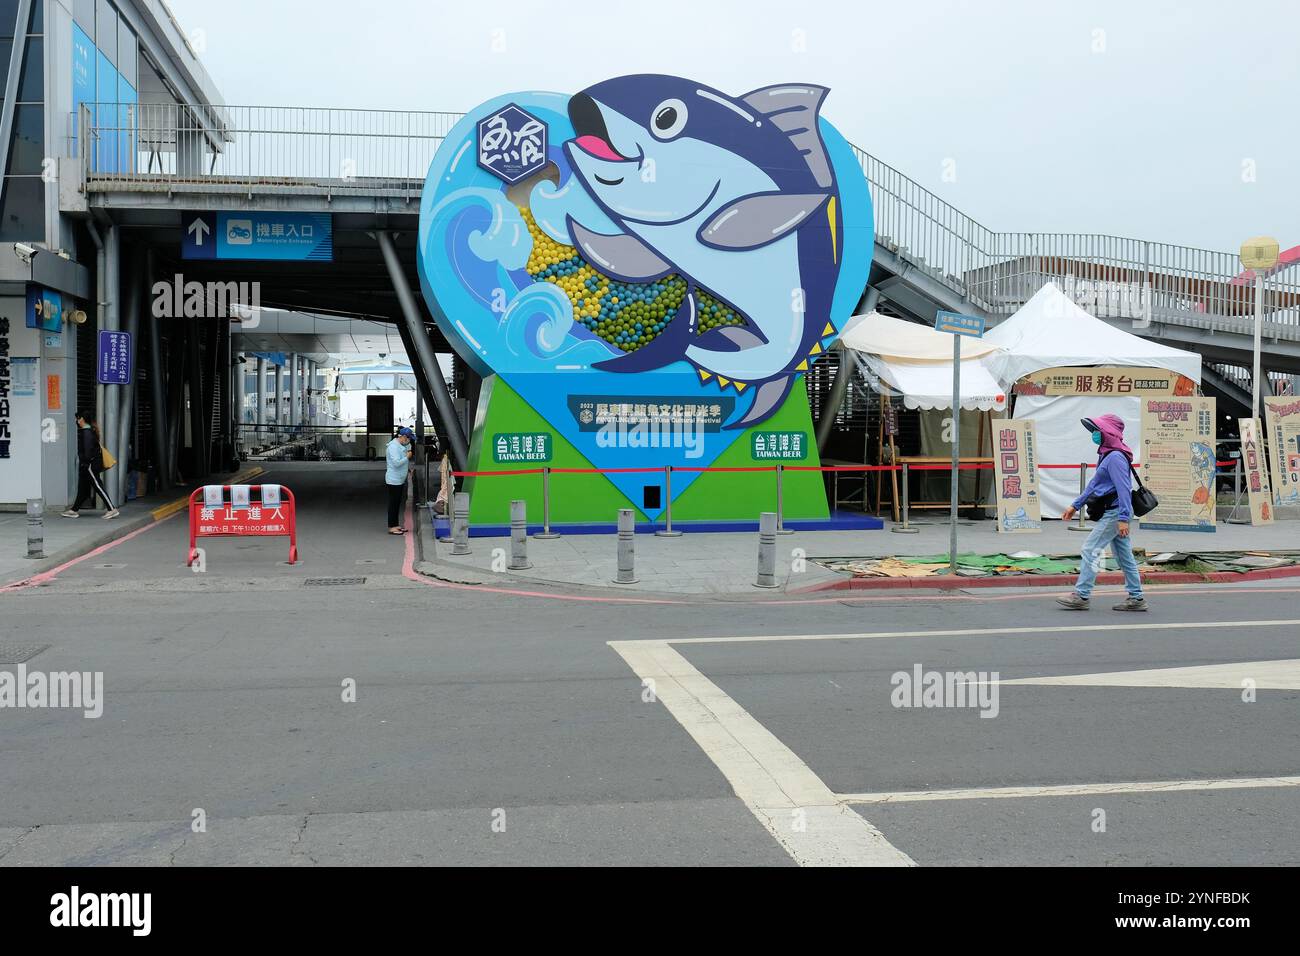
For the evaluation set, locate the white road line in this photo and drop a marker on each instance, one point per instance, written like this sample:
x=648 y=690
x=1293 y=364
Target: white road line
x=792 y=802
x=1267 y=675
x=1071 y=790
x=985 y=631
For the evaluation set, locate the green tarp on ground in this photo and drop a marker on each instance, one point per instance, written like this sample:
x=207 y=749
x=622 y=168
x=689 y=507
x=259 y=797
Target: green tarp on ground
x=1002 y=563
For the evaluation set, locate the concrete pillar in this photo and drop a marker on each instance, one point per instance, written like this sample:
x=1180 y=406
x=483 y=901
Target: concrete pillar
x=294 y=384
x=259 y=411
x=279 y=402
x=112 y=323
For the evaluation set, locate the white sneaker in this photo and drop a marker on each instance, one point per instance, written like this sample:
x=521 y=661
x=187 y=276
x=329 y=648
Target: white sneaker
x=71 y=514
x=112 y=514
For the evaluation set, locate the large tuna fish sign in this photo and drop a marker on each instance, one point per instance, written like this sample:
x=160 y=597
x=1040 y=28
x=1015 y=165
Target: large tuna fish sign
x=649 y=253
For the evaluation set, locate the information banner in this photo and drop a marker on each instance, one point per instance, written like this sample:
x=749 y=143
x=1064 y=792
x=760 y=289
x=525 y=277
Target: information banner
x=1015 y=466
x=1258 y=492
x=1178 y=462
x=1282 y=415
x=1104 y=380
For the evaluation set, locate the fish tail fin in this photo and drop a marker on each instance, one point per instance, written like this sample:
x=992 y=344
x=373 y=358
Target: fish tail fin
x=768 y=397
x=667 y=347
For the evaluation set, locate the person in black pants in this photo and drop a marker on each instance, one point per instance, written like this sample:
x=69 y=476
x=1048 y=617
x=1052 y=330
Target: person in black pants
x=398 y=456
x=90 y=465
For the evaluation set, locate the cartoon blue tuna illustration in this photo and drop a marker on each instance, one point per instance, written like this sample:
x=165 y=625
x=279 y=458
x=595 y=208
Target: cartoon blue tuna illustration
x=736 y=195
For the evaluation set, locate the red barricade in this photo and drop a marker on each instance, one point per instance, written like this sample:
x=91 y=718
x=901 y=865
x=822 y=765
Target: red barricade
x=254 y=519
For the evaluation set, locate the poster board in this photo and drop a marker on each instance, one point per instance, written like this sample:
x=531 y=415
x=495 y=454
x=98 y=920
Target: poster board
x=1282 y=416
x=1258 y=491
x=1178 y=462
x=1095 y=380
x=1015 y=466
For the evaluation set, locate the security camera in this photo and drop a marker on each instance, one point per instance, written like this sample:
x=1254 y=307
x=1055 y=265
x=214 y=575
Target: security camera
x=24 y=252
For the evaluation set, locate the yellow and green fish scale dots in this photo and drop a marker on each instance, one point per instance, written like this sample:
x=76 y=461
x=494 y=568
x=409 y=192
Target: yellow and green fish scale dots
x=628 y=315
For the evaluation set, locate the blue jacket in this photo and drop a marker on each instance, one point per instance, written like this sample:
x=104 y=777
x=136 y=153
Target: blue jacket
x=398 y=463
x=1112 y=476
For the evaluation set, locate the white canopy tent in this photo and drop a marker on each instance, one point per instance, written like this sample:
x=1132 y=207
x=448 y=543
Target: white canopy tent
x=1051 y=331
x=916 y=362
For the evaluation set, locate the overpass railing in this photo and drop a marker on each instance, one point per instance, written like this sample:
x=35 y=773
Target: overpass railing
x=268 y=149
x=161 y=146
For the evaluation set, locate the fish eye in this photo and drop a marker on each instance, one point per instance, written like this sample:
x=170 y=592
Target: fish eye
x=668 y=119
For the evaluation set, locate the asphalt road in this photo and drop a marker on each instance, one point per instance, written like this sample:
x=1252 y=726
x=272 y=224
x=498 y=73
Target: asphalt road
x=491 y=727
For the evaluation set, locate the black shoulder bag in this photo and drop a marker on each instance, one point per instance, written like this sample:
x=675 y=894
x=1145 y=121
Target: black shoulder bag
x=1144 y=500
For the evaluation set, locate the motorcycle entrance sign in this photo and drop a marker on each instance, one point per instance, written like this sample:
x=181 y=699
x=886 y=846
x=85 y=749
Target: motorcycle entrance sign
x=218 y=511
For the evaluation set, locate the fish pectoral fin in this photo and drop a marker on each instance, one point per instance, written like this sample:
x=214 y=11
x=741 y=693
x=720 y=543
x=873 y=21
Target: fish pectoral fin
x=794 y=108
x=620 y=256
x=767 y=399
x=755 y=220
x=733 y=338
x=667 y=347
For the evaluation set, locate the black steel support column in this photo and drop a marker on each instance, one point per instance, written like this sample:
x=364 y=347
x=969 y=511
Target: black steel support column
x=157 y=386
x=423 y=354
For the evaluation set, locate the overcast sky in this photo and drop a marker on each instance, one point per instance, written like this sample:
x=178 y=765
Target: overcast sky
x=1170 y=121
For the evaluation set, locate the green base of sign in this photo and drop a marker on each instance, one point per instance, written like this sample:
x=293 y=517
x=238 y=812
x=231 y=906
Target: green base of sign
x=713 y=496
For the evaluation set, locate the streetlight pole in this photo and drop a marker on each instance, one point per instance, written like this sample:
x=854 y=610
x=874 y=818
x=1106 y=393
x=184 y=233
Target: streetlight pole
x=1259 y=256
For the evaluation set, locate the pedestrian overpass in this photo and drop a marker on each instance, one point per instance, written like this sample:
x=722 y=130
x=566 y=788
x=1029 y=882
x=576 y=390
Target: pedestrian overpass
x=366 y=168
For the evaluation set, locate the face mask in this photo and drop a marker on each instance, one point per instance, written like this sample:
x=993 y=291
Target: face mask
x=1096 y=438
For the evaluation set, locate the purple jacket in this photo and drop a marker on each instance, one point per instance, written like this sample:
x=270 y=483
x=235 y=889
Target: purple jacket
x=1112 y=476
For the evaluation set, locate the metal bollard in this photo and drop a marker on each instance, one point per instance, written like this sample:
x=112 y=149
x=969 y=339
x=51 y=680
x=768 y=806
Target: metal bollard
x=667 y=530
x=1083 y=484
x=780 y=501
x=546 y=532
x=626 y=547
x=36 y=528
x=1236 y=495
x=460 y=523
x=519 y=536
x=766 y=550
x=905 y=528
x=432 y=553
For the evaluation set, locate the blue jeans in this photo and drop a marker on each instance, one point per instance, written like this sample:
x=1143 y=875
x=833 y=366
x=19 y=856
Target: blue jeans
x=1105 y=533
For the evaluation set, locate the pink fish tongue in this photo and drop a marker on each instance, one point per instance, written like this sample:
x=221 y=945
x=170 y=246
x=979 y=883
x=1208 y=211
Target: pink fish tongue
x=598 y=148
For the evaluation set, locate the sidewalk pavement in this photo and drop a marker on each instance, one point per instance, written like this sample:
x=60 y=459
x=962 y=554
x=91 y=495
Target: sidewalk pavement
x=727 y=563
x=68 y=538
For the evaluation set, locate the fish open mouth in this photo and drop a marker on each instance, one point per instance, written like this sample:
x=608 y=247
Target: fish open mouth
x=592 y=135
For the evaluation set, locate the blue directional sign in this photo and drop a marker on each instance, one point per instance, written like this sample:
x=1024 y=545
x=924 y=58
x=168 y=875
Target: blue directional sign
x=958 y=324
x=276 y=236
x=115 y=357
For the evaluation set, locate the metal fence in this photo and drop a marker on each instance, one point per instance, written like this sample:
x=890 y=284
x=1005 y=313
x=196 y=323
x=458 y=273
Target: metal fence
x=132 y=146
x=266 y=148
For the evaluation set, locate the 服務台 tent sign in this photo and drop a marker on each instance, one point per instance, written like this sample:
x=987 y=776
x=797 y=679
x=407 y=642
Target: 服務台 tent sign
x=1178 y=462
x=1015 y=466
x=1282 y=416
x=1104 y=380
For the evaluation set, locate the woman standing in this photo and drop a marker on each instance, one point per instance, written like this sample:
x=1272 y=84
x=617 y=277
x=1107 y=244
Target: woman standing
x=90 y=464
x=1113 y=485
x=398 y=456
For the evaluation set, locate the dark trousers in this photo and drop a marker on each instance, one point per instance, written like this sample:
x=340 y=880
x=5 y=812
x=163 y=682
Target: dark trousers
x=88 y=487
x=396 y=498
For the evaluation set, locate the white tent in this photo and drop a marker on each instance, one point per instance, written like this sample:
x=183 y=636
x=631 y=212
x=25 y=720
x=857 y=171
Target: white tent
x=1051 y=331
x=916 y=361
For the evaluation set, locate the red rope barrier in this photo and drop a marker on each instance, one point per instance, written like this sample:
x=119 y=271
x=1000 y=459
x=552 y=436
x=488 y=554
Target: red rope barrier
x=939 y=466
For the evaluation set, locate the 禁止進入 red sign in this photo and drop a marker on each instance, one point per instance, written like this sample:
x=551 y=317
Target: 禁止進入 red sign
x=243 y=510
